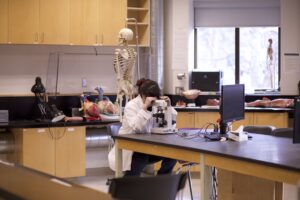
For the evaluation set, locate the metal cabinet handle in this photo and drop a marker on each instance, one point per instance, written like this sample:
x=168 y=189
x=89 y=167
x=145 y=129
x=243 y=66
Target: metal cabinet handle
x=36 y=40
x=42 y=37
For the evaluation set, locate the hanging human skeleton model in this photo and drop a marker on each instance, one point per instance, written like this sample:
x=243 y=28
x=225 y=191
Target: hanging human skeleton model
x=124 y=67
x=270 y=66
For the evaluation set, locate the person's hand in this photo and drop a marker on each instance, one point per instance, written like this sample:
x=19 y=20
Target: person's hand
x=167 y=99
x=148 y=102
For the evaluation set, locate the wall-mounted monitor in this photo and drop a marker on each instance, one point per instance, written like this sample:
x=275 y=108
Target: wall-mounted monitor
x=206 y=81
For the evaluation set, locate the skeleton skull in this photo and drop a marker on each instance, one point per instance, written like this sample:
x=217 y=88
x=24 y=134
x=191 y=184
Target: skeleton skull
x=126 y=34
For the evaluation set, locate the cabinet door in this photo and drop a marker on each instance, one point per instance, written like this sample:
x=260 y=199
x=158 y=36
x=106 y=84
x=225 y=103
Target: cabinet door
x=245 y=122
x=38 y=149
x=249 y=187
x=112 y=19
x=279 y=120
x=70 y=151
x=185 y=120
x=84 y=22
x=23 y=21
x=54 y=21
x=3 y=21
x=204 y=118
x=234 y=186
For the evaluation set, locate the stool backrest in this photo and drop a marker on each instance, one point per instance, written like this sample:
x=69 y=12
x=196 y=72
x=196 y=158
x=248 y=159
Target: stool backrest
x=283 y=132
x=113 y=128
x=161 y=187
x=266 y=130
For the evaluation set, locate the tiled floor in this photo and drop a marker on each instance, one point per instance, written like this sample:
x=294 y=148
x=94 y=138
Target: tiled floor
x=98 y=172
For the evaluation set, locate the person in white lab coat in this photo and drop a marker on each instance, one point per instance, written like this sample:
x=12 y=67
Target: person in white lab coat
x=138 y=119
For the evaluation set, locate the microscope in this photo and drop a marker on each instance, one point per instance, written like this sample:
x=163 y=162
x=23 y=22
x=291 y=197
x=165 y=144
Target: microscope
x=162 y=114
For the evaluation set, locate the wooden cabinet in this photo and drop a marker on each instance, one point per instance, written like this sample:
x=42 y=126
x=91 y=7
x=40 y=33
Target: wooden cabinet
x=84 y=22
x=39 y=22
x=3 y=21
x=185 y=120
x=54 y=21
x=56 y=151
x=70 y=152
x=35 y=149
x=235 y=186
x=96 y=22
x=78 y=22
x=112 y=20
x=23 y=21
x=201 y=119
x=279 y=120
x=139 y=10
x=247 y=121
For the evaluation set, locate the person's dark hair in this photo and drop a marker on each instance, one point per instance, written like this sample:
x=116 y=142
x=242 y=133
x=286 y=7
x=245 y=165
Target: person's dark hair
x=148 y=88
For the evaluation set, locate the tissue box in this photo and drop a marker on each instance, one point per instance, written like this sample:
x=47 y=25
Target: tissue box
x=241 y=136
x=3 y=116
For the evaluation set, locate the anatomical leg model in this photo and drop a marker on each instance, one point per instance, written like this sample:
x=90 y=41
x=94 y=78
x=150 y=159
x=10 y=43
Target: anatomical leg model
x=124 y=67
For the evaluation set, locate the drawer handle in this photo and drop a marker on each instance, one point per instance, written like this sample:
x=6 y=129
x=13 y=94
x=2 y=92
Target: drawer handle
x=70 y=129
x=41 y=130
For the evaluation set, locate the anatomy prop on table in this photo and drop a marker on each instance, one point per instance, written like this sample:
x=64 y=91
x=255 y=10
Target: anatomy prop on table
x=264 y=102
x=124 y=63
x=104 y=104
x=102 y=109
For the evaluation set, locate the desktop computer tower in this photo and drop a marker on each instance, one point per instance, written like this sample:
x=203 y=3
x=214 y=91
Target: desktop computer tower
x=206 y=81
x=296 y=135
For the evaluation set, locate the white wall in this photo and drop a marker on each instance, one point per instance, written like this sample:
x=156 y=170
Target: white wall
x=20 y=64
x=290 y=44
x=179 y=44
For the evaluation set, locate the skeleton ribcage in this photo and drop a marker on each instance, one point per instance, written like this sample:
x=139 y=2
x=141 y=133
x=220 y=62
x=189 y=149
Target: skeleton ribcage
x=124 y=67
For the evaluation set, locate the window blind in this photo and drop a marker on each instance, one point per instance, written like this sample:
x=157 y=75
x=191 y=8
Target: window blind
x=236 y=13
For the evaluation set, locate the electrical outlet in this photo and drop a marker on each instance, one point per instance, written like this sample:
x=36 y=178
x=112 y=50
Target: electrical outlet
x=83 y=82
x=179 y=90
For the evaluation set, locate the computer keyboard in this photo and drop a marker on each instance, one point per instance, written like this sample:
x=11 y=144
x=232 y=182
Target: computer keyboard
x=214 y=136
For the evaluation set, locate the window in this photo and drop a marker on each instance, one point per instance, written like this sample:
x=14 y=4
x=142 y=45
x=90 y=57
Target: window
x=216 y=51
x=248 y=55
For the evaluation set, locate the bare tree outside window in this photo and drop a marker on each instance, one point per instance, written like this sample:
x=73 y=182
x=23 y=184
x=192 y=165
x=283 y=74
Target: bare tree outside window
x=258 y=55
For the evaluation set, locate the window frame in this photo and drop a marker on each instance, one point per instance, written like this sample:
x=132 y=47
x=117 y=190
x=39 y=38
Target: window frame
x=237 y=54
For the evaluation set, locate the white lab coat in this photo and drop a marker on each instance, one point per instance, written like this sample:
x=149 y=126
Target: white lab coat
x=135 y=120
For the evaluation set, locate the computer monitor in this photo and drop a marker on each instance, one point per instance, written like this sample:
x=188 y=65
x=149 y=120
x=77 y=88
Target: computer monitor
x=232 y=105
x=206 y=81
x=296 y=134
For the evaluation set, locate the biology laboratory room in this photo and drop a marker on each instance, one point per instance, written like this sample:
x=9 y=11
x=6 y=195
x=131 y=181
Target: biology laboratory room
x=150 y=99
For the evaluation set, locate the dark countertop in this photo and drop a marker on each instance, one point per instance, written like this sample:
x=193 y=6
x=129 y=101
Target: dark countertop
x=40 y=124
x=247 y=109
x=263 y=149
